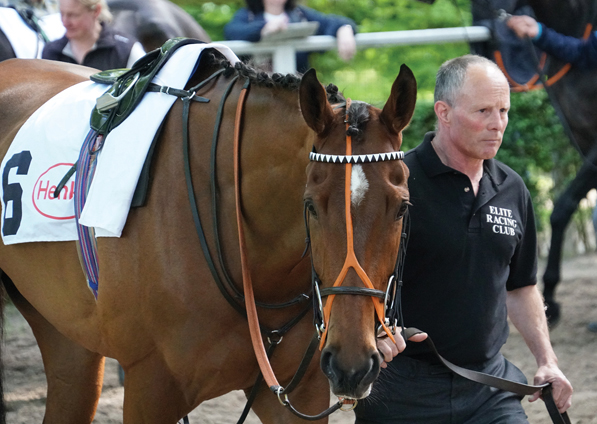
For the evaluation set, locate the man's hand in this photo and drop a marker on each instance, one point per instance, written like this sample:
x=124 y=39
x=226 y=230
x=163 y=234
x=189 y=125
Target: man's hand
x=523 y=26
x=389 y=349
x=561 y=387
x=347 y=45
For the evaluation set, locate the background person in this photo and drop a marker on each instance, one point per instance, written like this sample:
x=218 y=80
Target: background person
x=89 y=39
x=262 y=17
x=576 y=51
x=471 y=264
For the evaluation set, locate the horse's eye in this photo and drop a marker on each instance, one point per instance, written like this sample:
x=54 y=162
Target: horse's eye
x=402 y=210
x=311 y=209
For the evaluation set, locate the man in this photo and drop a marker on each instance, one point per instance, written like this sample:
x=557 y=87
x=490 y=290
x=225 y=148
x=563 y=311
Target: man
x=580 y=53
x=471 y=262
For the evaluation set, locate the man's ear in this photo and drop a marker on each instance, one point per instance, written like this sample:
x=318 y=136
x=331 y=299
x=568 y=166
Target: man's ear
x=442 y=111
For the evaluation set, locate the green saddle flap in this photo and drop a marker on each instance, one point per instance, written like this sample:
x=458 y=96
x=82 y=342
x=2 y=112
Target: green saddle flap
x=128 y=86
x=108 y=77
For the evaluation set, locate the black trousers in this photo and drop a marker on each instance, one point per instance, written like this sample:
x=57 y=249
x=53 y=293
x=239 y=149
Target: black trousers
x=412 y=391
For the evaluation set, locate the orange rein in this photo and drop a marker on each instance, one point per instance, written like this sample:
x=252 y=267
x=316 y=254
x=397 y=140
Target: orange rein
x=531 y=84
x=252 y=318
x=351 y=259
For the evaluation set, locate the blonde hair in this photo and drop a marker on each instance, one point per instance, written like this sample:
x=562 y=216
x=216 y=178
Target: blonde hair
x=105 y=15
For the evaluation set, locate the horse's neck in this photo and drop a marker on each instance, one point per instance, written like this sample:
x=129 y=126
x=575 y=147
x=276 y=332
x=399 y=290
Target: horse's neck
x=275 y=147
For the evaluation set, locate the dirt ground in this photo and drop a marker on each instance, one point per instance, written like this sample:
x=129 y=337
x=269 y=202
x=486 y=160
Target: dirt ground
x=576 y=348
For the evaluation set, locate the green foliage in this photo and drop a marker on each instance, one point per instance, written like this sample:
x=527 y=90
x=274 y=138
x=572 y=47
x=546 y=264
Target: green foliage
x=212 y=16
x=369 y=76
x=534 y=144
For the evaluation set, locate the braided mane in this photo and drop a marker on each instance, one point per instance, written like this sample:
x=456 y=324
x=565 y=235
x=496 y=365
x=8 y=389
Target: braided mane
x=358 y=114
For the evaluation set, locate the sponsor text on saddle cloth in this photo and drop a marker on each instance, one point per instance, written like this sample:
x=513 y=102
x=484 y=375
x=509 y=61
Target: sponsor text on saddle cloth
x=48 y=144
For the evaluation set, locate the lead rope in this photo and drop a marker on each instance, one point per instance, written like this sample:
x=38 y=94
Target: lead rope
x=499 y=383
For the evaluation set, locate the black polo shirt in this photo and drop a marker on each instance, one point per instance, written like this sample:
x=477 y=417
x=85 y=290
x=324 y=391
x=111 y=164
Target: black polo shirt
x=464 y=252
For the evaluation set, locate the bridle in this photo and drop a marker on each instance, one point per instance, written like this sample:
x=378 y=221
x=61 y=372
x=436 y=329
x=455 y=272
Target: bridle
x=386 y=304
x=387 y=310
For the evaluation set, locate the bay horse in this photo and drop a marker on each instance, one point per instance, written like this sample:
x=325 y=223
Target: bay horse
x=159 y=311
x=153 y=22
x=574 y=97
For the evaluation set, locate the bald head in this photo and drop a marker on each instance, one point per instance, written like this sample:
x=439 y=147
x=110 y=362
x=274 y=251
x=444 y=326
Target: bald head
x=452 y=75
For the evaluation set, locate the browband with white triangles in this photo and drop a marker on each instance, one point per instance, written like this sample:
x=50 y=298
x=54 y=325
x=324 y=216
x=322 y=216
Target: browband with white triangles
x=376 y=157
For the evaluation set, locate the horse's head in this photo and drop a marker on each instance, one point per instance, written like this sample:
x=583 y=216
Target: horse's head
x=354 y=213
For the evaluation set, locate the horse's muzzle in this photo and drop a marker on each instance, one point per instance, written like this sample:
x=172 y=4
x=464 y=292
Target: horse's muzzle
x=351 y=380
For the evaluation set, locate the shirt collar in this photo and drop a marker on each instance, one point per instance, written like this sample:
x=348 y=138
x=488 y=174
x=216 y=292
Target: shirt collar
x=106 y=39
x=433 y=166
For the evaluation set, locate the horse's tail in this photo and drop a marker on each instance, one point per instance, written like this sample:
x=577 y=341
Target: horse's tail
x=3 y=278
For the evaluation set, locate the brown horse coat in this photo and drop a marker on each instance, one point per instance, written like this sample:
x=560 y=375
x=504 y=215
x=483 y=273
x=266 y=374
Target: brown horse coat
x=158 y=310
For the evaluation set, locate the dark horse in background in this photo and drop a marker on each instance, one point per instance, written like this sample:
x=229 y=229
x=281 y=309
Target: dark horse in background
x=574 y=97
x=152 y=22
x=6 y=51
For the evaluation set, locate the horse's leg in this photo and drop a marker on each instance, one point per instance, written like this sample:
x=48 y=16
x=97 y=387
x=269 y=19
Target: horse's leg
x=566 y=204
x=311 y=397
x=151 y=396
x=74 y=374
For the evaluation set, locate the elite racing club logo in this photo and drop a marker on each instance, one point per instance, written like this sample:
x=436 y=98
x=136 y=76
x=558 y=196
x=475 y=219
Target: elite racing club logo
x=502 y=220
x=43 y=193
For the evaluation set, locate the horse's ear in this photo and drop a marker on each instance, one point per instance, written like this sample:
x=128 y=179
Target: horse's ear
x=399 y=108
x=315 y=107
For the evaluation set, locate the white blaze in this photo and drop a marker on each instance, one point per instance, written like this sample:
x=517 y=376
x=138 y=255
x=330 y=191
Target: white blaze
x=358 y=185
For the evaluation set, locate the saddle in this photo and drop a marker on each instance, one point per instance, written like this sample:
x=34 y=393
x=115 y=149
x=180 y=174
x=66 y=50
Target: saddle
x=128 y=86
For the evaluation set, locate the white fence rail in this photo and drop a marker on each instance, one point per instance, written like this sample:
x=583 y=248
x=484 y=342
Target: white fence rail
x=283 y=52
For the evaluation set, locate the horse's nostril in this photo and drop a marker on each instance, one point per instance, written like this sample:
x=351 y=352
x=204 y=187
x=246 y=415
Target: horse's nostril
x=326 y=363
x=375 y=362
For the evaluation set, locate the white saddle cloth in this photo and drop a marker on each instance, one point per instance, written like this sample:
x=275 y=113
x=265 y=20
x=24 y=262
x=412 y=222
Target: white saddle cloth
x=24 y=41
x=53 y=136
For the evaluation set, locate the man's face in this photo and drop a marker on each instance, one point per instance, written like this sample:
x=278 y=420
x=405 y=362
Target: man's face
x=78 y=20
x=479 y=115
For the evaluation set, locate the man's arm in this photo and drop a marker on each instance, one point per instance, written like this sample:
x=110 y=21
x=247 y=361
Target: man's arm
x=577 y=51
x=526 y=311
